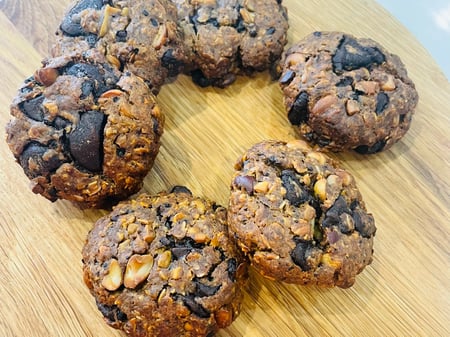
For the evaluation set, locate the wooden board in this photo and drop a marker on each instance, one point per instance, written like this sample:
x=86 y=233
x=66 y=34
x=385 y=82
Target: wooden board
x=405 y=292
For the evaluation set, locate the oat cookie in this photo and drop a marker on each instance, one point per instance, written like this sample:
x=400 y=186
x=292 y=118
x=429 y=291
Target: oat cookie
x=229 y=37
x=85 y=132
x=141 y=36
x=163 y=265
x=343 y=92
x=298 y=216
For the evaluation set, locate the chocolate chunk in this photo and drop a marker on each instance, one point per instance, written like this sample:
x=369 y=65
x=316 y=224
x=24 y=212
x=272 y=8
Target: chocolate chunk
x=345 y=81
x=180 y=189
x=86 y=141
x=331 y=219
x=182 y=247
x=154 y=22
x=87 y=88
x=195 y=23
x=84 y=70
x=246 y=182
x=299 y=111
x=300 y=254
x=91 y=40
x=42 y=164
x=121 y=36
x=339 y=206
x=270 y=31
x=375 y=148
x=232 y=268
x=351 y=55
x=382 y=102
x=33 y=108
x=323 y=141
x=120 y=152
x=71 y=24
x=112 y=313
x=199 y=78
x=287 y=77
x=364 y=223
x=332 y=216
x=97 y=80
x=190 y=302
x=60 y=123
x=296 y=193
x=179 y=252
x=171 y=63
x=203 y=290
x=240 y=25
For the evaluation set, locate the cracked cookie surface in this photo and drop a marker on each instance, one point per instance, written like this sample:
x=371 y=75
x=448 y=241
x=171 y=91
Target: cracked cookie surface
x=83 y=131
x=164 y=265
x=298 y=216
x=347 y=93
x=231 y=37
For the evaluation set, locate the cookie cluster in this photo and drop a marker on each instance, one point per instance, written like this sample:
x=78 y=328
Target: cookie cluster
x=86 y=127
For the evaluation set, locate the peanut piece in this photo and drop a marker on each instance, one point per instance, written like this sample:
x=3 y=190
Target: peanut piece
x=46 y=76
x=138 y=269
x=323 y=104
x=368 y=87
x=320 y=188
x=261 y=187
x=113 y=280
x=165 y=259
x=389 y=85
x=352 y=107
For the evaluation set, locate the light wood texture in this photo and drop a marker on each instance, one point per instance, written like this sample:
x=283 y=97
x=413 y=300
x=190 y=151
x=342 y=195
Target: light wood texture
x=404 y=292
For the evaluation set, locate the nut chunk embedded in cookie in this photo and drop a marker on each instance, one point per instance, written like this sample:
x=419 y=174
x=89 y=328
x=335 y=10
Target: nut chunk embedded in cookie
x=298 y=216
x=347 y=93
x=164 y=265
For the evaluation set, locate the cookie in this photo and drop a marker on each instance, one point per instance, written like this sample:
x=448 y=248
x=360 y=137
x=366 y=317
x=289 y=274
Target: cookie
x=347 y=93
x=164 y=265
x=298 y=216
x=85 y=132
x=137 y=36
x=232 y=37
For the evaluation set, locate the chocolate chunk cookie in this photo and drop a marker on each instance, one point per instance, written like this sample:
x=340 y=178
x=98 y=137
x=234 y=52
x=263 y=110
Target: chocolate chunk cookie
x=140 y=36
x=232 y=36
x=164 y=265
x=85 y=132
x=343 y=92
x=298 y=216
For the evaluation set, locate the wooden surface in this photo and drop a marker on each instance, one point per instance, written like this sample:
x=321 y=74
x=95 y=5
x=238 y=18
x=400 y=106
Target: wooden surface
x=405 y=292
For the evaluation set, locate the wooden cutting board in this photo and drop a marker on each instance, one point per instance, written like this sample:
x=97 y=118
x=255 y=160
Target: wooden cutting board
x=404 y=292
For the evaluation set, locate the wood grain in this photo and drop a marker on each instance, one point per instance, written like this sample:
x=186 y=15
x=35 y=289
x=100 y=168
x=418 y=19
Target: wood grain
x=405 y=292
